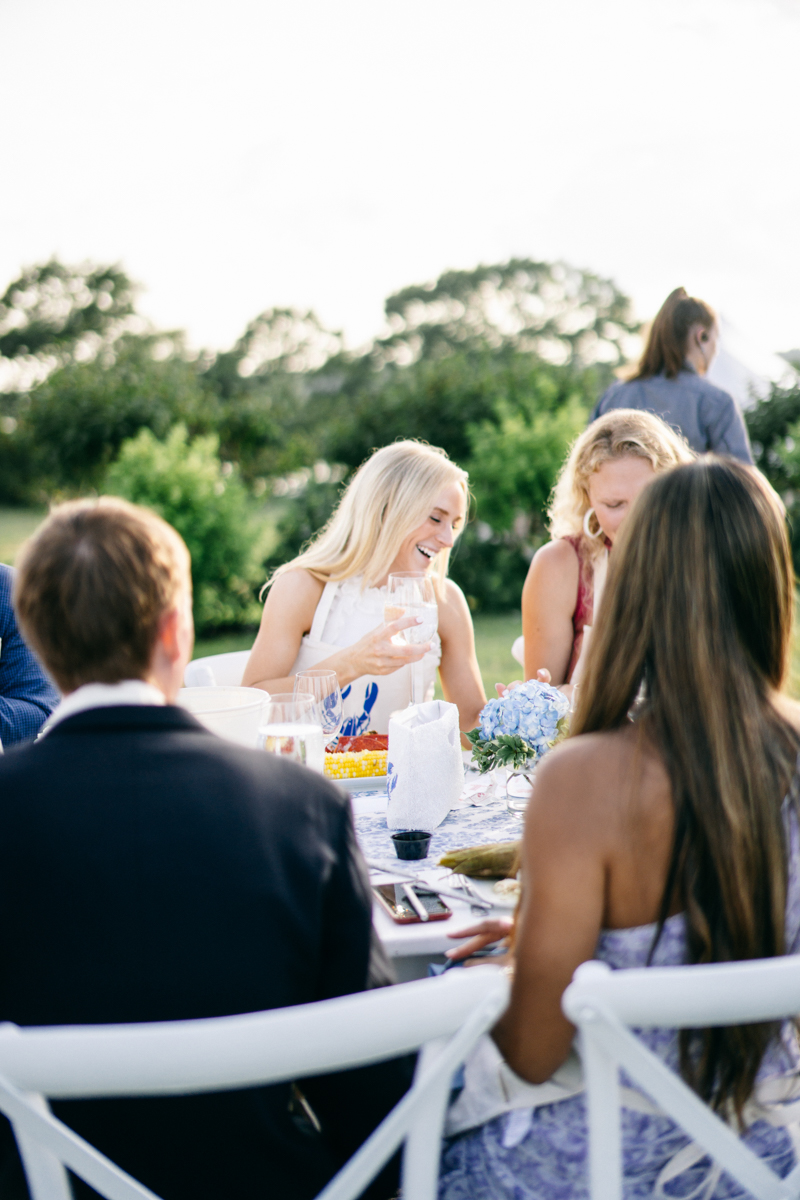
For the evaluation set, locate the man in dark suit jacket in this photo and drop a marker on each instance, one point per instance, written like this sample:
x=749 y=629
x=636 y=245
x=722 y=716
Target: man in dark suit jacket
x=27 y=697
x=151 y=871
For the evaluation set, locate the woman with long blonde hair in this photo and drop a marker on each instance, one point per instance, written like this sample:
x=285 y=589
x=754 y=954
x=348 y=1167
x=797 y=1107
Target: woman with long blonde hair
x=607 y=467
x=666 y=830
x=402 y=511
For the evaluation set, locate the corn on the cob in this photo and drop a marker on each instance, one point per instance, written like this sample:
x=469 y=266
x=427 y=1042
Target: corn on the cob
x=484 y=862
x=349 y=764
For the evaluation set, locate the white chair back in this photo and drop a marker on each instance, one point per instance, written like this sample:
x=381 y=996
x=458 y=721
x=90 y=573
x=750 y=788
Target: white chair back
x=604 y=1004
x=444 y=1016
x=217 y=670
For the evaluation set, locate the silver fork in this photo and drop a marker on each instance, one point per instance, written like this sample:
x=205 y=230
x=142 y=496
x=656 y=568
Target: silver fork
x=463 y=885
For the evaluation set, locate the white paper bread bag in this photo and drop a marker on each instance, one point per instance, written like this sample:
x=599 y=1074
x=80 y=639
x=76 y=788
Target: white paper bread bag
x=425 y=771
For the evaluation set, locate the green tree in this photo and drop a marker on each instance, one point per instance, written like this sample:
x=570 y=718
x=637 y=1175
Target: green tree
x=57 y=310
x=263 y=385
x=512 y=468
x=74 y=423
x=438 y=400
x=184 y=481
x=774 y=428
x=554 y=310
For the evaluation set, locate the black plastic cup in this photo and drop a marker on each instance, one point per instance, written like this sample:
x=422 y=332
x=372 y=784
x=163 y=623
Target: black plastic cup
x=412 y=843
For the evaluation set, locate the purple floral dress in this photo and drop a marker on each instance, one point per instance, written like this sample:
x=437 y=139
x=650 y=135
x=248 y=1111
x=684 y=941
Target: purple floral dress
x=542 y=1153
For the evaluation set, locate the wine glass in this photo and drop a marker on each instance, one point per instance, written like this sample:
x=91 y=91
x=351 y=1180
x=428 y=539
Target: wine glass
x=411 y=594
x=291 y=728
x=323 y=688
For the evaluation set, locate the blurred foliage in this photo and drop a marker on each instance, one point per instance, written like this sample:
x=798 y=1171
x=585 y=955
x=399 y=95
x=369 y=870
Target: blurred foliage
x=262 y=392
x=303 y=516
x=184 y=481
x=440 y=400
x=774 y=428
x=498 y=365
x=57 y=310
x=74 y=423
x=563 y=315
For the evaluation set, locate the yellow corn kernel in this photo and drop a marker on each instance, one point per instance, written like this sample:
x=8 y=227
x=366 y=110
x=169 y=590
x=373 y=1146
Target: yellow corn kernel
x=349 y=764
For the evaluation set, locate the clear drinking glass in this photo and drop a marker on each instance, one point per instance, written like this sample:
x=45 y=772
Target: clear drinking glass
x=291 y=727
x=411 y=594
x=323 y=687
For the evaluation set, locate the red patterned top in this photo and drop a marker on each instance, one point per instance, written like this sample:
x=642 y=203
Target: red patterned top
x=584 y=605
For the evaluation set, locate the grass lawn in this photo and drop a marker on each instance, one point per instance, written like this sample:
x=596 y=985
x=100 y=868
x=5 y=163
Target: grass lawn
x=17 y=524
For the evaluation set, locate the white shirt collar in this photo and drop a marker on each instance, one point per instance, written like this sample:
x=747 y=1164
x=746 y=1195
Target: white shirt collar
x=103 y=695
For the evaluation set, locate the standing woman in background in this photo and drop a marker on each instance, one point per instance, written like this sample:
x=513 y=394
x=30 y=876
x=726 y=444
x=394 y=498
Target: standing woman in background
x=402 y=511
x=670 y=380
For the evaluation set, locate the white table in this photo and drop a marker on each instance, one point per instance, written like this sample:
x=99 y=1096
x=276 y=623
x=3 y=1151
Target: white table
x=412 y=947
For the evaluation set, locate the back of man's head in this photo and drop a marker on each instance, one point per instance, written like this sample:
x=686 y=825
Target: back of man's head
x=91 y=588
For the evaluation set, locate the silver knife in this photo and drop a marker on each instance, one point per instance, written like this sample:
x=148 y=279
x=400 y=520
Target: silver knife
x=414 y=901
x=477 y=902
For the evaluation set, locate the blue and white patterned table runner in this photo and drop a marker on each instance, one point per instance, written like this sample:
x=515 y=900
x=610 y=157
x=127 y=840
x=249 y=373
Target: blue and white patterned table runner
x=466 y=825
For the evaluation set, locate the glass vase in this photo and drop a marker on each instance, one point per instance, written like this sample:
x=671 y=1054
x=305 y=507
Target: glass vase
x=519 y=787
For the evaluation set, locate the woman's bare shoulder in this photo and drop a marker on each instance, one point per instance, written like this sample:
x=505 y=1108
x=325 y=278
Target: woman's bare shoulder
x=453 y=598
x=558 y=552
x=296 y=590
x=593 y=772
x=556 y=558
x=454 y=614
x=554 y=566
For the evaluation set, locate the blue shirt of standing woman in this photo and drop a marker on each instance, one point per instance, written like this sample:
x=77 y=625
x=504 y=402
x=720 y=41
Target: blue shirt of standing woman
x=670 y=380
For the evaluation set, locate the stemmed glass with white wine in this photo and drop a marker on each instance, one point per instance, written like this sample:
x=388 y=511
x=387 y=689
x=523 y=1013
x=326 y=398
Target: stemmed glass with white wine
x=411 y=594
x=323 y=687
x=290 y=727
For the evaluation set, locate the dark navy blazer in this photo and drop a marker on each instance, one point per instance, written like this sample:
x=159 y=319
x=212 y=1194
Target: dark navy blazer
x=150 y=871
x=27 y=697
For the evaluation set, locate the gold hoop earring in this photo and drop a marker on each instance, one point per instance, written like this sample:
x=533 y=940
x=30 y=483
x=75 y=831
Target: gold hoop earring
x=587 y=516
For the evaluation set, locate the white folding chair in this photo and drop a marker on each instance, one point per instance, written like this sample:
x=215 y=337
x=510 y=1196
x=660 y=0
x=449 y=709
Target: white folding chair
x=444 y=1016
x=224 y=670
x=604 y=1004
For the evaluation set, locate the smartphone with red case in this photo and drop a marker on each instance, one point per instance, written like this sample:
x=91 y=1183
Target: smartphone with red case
x=392 y=900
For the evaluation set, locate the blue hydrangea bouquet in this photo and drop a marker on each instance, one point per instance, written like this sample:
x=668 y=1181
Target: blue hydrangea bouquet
x=516 y=729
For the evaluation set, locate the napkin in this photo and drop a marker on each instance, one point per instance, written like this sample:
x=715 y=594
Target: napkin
x=425 y=771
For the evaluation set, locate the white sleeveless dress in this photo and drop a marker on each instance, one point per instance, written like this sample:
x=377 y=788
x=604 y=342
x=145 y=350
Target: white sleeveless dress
x=345 y=613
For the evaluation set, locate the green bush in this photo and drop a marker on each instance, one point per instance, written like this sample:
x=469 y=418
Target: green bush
x=774 y=428
x=185 y=482
x=512 y=468
x=303 y=516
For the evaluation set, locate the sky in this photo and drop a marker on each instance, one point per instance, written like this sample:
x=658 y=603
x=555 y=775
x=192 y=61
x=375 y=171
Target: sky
x=242 y=155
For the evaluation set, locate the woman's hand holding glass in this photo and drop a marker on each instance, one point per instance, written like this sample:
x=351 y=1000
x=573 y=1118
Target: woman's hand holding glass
x=378 y=654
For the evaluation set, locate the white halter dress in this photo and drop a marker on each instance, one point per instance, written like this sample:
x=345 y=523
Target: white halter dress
x=345 y=613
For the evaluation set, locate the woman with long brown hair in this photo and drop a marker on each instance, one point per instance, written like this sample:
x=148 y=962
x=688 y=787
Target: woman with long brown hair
x=664 y=831
x=670 y=380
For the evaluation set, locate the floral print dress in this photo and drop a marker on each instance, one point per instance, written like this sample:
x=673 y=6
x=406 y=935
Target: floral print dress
x=542 y=1153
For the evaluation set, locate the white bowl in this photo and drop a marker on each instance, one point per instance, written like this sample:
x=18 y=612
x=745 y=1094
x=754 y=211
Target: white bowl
x=231 y=712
